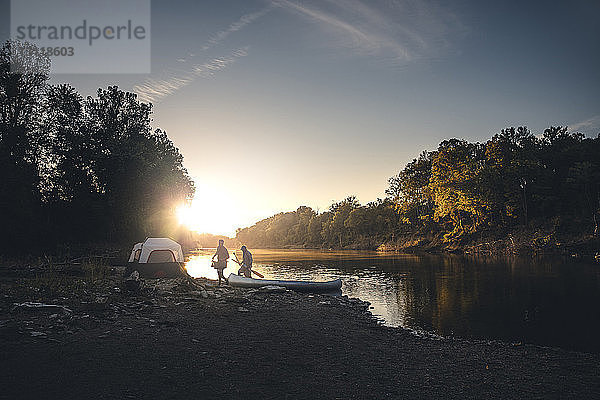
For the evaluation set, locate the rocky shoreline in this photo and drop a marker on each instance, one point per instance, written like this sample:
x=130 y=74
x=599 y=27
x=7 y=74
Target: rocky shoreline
x=72 y=337
x=29 y=311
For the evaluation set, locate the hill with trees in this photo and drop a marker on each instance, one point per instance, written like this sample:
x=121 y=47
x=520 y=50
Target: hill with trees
x=515 y=191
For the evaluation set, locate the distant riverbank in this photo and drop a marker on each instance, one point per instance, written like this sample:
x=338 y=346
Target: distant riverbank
x=541 y=240
x=522 y=241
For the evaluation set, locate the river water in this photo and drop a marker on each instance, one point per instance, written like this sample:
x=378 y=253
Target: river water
x=546 y=301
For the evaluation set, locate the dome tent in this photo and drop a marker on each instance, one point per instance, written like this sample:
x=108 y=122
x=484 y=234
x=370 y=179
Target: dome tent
x=135 y=253
x=156 y=258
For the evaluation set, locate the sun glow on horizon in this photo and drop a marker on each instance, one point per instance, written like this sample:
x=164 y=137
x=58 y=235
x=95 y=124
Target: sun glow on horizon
x=216 y=210
x=208 y=214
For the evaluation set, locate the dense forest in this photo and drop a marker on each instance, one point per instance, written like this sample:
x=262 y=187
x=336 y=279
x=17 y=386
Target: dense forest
x=76 y=169
x=462 y=193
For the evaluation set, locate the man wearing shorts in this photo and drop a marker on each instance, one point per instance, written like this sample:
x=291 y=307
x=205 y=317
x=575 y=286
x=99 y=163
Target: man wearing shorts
x=222 y=256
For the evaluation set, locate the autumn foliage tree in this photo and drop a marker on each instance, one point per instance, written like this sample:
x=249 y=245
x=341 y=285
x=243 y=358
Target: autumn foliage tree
x=457 y=191
x=509 y=180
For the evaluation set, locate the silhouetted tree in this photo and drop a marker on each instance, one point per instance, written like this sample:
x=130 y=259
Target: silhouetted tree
x=80 y=170
x=23 y=75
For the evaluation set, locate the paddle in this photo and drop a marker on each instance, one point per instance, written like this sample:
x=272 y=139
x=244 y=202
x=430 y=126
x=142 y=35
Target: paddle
x=251 y=270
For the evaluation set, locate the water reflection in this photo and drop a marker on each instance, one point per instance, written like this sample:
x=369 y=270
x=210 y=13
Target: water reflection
x=198 y=265
x=548 y=301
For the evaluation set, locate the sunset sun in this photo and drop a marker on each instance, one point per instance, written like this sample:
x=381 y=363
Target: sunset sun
x=212 y=210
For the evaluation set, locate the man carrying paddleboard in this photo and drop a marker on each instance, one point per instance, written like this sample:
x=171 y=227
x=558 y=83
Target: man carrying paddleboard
x=246 y=265
x=222 y=256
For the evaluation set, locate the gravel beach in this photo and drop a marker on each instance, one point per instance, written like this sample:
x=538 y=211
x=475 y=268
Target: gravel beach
x=175 y=340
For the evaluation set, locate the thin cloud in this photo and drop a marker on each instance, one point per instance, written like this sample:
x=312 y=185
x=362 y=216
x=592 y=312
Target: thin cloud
x=589 y=126
x=358 y=36
x=153 y=90
x=234 y=27
x=403 y=30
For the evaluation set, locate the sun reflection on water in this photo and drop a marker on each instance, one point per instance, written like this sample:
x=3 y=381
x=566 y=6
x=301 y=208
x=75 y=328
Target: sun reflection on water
x=199 y=266
x=386 y=301
x=463 y=296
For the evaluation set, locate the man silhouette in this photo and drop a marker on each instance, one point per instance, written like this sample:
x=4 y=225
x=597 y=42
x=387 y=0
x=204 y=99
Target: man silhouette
x=246 y=264
x=222 y=256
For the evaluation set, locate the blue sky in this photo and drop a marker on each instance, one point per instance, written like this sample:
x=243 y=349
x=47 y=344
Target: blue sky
x=282 y=103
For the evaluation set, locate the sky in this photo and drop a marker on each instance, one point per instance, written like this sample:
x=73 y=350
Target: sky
x=282 y=103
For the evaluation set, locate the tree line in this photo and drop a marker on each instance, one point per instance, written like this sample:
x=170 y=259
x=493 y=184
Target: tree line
x=462 y=189
x=75 y=169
